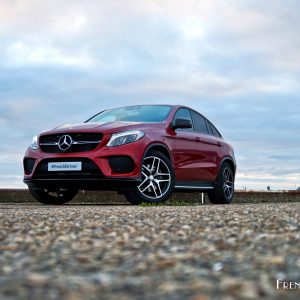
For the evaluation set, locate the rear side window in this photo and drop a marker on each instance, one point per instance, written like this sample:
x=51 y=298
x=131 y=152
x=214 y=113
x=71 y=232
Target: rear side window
x=214 y=131
x=209 y=128
x=185 y=114
x=199 y=123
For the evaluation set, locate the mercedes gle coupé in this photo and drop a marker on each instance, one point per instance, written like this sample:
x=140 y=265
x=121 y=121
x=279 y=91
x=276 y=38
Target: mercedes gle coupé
x=144 y=152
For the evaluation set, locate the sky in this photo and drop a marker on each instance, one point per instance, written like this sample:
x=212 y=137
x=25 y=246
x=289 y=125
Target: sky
x=236 y=62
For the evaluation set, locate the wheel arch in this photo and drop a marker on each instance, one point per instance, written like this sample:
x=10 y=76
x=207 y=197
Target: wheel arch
x=230 y=161
x=158 y=147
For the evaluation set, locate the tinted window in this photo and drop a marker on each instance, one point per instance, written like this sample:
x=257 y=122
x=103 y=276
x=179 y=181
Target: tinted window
x=199 y=123
x=214 y=130
x=185 y=114
x=209 y=128
x=138 y=113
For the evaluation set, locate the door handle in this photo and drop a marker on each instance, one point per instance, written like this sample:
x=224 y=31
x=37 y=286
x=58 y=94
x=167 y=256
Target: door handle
x=197 y=139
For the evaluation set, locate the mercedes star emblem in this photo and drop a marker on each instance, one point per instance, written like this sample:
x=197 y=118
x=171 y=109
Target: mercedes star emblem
x=65 y=142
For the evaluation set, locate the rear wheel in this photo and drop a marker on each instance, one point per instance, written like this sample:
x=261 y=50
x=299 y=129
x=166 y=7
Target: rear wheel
x=58 y=196
x=157 y=180
x=224 y=191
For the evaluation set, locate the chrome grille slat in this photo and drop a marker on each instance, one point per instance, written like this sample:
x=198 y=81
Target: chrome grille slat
x=74 y=143
x=85 y=142
x=48 y=144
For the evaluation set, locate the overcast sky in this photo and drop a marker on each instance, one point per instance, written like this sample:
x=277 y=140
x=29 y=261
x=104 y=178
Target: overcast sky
x=237 y=62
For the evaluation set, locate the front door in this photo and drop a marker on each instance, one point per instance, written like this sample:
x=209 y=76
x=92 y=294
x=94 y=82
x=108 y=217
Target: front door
x=190 y=155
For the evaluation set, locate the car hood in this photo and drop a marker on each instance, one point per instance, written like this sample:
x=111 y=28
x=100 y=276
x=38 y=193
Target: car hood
x=105 y=128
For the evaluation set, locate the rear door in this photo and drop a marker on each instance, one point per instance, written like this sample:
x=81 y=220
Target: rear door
x=209 y=148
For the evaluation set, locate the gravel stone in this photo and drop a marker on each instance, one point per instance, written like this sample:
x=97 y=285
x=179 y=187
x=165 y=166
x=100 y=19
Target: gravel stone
x=165 y=252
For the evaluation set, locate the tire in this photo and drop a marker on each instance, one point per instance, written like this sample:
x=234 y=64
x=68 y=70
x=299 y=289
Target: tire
x=158 y=180
x=58 y=197
x=224 y=191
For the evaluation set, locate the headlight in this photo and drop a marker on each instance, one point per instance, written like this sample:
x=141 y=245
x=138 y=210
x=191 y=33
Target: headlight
x=34 y=144
x=125 y=137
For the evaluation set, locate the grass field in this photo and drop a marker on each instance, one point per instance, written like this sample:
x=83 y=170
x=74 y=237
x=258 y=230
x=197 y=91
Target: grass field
x=23 y=196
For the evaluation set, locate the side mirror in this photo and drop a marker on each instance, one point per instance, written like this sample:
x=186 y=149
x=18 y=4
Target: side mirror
x=181 y=123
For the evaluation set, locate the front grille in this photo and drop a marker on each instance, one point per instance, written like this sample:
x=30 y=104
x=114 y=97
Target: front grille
x=89 y=169
x=81 y=142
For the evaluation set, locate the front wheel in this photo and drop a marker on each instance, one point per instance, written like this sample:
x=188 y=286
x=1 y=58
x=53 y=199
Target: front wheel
x=58 y=196
x=158 y=180
x=224 y=191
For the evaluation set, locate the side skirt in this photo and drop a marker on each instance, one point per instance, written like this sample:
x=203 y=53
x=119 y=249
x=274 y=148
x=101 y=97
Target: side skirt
x=189 y=186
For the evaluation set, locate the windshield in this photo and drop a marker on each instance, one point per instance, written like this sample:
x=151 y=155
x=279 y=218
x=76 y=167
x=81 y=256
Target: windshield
x=138 y=113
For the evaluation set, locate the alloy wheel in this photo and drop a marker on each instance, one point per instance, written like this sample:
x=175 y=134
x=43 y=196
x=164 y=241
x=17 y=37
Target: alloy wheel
x=228 y=185
x=156 y=178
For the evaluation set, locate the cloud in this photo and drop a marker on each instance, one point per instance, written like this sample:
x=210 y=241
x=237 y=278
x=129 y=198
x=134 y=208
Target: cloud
x=236 y=62
x=19 y=53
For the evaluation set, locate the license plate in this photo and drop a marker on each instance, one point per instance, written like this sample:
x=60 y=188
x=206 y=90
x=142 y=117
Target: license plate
x=65 y=166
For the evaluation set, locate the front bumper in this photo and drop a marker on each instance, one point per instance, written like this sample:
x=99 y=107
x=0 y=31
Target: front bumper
x=103 y=168
x=84 y=183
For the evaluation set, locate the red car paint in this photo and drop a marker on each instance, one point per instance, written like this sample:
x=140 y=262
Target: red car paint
x=195 y=157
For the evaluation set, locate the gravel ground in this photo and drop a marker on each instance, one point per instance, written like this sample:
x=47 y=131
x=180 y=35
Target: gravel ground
x=129 y=252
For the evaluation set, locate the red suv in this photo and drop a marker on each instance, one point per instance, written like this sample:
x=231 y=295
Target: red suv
x=144 y=152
